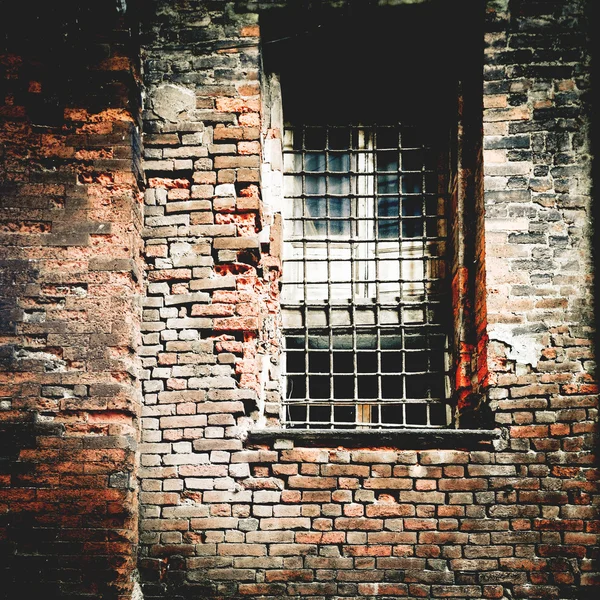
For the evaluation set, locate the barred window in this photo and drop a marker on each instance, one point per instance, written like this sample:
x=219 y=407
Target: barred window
x=378 y=112
x=364 y=291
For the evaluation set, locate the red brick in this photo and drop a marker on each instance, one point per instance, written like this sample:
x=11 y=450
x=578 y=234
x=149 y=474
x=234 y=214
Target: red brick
x=298 y=481
x=358 y=524
x=529 y=431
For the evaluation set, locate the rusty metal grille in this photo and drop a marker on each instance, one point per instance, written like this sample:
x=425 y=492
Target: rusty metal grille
x=364 y=295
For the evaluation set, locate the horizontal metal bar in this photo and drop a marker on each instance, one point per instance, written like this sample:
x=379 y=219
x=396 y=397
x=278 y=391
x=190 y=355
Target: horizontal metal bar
x=350 y=403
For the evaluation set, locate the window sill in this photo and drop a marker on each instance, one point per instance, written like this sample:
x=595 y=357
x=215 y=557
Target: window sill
x=412 y=439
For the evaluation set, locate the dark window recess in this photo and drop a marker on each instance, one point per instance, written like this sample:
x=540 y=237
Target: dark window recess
x=364 y=291
x=374 y=105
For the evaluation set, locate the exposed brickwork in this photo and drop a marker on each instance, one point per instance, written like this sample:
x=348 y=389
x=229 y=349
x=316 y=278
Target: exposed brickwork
x=70 y=271
x=226 y=517
x=538 y=231
x=222 y=514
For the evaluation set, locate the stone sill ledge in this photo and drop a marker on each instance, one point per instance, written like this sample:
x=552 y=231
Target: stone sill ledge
x=407 y=439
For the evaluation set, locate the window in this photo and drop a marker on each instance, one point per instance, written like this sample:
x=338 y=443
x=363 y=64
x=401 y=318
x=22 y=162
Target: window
x=364 y=291
x=375 y=195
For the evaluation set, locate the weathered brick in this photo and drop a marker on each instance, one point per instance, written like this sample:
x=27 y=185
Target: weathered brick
x=285 y=523
x=222 y=515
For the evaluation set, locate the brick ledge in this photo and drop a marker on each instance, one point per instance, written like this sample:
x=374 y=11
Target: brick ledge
x=398 y=438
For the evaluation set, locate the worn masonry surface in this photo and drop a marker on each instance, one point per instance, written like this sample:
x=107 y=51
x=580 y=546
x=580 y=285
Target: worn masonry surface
x=143 y=454
x=71 y=277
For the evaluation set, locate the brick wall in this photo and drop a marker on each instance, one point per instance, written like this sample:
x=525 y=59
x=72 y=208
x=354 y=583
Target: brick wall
x=230 y=505
x=226 y=513
x=70 y=270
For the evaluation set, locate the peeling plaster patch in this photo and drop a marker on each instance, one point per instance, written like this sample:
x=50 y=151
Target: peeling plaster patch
x=169 y=101
x=225 y=190
x=51 y=362
x=44 y=418
x=137 y=592
x=264 y=235
x=523 y=349
x=181 y=249
x=263 y=378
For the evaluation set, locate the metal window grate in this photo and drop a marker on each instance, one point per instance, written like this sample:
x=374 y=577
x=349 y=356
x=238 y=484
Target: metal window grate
x=363 y=294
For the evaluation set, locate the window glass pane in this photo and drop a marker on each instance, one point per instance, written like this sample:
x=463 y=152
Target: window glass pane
x=343 y=362
x=318 y=362
x=388 y=223
x=410 y=138
x=318 y=386
x=344 y=414
x=314 y=138
x=392 y=414
x=416 y=414
x=296 y=413
x=412 y=210
x=438 y=414
x=338 y=185
x=367 y=387
x=417 y=386
x=320 y=415
x=343 y=387
x=314 y=162
x=366 y=362
x=316 y=211
x=392 y=362
x=387 y=137
x=296 y=386
x=292 y=163
x=294 y=362
x=391 y=387
x=387 y=161
x=339 y=162
x=412 y=183
x=412 y=160
x=412 y=207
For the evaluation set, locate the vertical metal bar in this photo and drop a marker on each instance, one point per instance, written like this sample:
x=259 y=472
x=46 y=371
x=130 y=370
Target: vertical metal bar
x=376 y=226
x=354 y=267
x=305 y=321
x=328 y=234
x=402 y=314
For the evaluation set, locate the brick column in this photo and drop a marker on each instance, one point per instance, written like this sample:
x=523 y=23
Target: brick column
x=540 y=278
x=210 y=340
x=71 y=277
